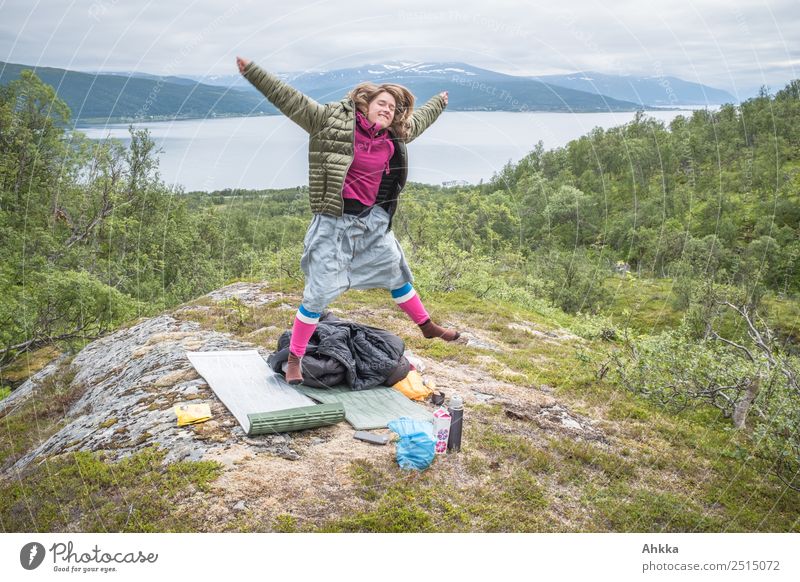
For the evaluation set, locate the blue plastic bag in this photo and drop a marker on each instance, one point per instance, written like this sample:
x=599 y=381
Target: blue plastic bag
x=415 y=449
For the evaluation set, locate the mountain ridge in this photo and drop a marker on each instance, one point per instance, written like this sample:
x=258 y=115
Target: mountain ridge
x=139 y=96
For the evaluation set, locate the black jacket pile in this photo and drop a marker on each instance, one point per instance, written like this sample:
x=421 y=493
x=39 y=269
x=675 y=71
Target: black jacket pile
x=342 y=352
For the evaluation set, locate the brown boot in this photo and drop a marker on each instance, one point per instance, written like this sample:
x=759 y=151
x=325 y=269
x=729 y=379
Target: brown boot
x=294 y=374
x=430 y=330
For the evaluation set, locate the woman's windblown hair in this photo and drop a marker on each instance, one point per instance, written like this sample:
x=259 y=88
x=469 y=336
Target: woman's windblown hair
x=364 y=93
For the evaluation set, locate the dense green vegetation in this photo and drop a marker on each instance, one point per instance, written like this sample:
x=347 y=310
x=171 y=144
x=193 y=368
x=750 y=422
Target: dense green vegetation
x=704 y=214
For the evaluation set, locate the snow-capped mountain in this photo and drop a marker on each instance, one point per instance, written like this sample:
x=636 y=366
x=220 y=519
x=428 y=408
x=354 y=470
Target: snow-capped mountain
x=635 y=91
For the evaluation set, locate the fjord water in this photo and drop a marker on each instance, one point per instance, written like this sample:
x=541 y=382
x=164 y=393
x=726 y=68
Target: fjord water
x=272 y=152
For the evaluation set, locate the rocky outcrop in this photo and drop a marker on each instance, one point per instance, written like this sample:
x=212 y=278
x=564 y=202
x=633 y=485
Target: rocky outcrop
x=130 y=381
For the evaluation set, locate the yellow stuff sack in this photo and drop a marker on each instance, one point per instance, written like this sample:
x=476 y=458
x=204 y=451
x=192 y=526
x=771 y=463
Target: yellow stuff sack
x=192 y=413
x=413 y=387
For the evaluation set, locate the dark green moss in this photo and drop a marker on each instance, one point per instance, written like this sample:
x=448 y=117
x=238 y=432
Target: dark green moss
x=85 y=492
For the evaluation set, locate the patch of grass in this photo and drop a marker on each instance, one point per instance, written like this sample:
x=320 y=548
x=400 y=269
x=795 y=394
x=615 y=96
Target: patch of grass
x=557 y=365
x=628 y=409
x=601 y=398
x=514 y=337
x=367 y=478
x=285 y=523
x=588 y=455
x=521 y=488
x=515 y=449
x=440 y=350
x=400 y=509
x=702 y=429
x=28 y=364
x=40 y=416
x=645 y=305
x=84 y=492
x=475 y=464
x=461 y=302
x=784 y=316
x=750 y=495
x=512 y=503
x=620 y=508
x=648 y=306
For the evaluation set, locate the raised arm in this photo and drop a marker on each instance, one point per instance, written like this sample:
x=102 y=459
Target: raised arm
x=423 y=117
x=295 y=105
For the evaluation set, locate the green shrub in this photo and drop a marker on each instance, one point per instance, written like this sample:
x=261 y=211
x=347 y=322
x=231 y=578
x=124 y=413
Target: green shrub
x=756 y=388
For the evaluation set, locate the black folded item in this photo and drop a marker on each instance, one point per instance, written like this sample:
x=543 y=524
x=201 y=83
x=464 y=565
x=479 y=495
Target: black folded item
x=356 y=207
x=342 y=352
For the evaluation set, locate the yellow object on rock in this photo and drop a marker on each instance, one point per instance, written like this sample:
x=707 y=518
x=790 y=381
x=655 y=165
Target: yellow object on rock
x=192 y=413
x=413 y=387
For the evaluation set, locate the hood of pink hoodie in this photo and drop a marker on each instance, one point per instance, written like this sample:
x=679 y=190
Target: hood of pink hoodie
x=370 y=128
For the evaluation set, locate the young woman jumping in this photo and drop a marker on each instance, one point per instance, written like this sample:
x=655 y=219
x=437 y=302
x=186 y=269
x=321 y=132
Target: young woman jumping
x=358 y=166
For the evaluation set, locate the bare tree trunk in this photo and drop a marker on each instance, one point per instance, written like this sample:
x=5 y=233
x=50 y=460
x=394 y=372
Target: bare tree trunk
x=743 y=406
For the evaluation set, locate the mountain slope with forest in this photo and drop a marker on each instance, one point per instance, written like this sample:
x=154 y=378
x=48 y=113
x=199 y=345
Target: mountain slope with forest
x=102 y=98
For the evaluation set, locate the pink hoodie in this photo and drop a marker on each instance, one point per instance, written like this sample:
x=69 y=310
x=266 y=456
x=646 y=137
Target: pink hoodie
x=370 y=161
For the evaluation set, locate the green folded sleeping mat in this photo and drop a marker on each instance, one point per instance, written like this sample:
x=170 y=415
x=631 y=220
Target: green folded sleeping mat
x=260 y=399
x=295 y=418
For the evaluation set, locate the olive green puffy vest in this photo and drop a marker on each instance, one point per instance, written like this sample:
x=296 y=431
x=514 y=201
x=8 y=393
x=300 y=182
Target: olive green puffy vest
x=331 y=132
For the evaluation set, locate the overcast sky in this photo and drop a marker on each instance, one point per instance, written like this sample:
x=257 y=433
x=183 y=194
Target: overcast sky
x=730 y=44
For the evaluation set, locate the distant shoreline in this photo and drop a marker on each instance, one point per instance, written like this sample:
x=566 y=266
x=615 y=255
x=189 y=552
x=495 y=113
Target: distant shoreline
x=95 y=121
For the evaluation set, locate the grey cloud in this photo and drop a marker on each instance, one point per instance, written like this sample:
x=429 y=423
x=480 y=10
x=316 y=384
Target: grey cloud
x=725 y=44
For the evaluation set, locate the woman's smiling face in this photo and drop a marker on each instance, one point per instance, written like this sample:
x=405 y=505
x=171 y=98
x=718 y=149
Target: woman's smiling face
x=381 y=109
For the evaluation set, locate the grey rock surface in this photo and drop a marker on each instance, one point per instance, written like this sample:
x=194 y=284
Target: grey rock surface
x=132 y=379
x=27 y=389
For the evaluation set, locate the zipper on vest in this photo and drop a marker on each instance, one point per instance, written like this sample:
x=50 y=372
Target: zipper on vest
x=355 y=121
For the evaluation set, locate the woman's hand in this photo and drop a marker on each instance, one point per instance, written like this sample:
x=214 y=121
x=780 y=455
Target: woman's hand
x=443 y=95
x=242 y=64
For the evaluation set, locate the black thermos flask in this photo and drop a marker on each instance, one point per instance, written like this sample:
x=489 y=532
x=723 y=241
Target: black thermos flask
x=456 y=410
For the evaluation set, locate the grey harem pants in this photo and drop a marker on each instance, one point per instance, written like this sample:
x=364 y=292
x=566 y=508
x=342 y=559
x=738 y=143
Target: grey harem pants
x=350 y=252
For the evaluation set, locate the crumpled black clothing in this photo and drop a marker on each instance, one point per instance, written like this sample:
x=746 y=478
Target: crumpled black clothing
x=342 y=352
